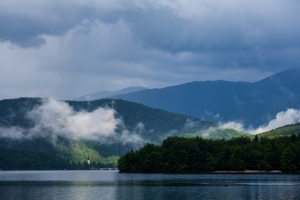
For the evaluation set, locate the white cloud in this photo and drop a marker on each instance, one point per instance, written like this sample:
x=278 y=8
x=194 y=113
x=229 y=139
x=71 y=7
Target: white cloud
x=290 y=116
x=234 y=125
x=189 y=124
x=140 y=127
x=16 y=133
x=55 y=119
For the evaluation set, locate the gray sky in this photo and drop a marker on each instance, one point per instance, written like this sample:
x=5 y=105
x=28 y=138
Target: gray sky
x=66 y=49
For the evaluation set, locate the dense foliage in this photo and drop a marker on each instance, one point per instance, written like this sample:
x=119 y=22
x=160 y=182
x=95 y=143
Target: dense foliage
x=13 y=111
x=286 y=130
x=26 y=160
x=197 y=155
x=215 y=134
x=73 y=151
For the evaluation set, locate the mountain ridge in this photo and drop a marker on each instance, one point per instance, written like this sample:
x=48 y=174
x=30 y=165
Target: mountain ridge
x=106 y=94
x=254 y=104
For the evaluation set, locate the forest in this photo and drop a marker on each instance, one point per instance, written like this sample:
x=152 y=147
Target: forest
x=155 y=126
x=26 y=160
x=198 y=155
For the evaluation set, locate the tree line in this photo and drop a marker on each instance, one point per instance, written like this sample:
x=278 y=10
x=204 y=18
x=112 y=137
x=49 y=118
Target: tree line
x=26 y=160
x=197 y=155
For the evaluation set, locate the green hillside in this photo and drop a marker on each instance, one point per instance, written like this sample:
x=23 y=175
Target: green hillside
x=282 y=131
x=155 y=126
x=217 y=133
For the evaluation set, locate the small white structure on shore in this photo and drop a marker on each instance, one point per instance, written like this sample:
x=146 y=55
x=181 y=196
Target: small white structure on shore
x=88 y=161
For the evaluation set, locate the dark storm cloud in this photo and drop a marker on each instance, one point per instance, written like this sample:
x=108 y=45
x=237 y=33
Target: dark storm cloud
x=115 y=44
x=25 y=29
x=250 y=40
x=168 y=32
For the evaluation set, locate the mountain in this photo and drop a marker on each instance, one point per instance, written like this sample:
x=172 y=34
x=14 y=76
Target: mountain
x=106 y=94
x=251 y=103
x=288 y=130
x=30 y=124
x=154 y=122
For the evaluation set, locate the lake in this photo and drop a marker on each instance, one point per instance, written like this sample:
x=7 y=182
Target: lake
x=109 y=184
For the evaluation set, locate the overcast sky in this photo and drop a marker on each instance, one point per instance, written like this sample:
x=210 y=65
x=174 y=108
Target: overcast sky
x=66 y=49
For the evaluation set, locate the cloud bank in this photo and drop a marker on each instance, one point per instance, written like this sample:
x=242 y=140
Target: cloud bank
x=55 y=119
x=290 y=116
x=116 y=44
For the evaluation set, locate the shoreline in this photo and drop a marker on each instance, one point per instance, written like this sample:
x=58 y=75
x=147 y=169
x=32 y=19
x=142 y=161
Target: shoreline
x=227 y=172
x=249 y=172
x=211 y=172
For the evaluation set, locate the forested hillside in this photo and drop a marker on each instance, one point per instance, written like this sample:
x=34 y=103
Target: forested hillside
x=282 y=131
x=148 y=124
x=197 y=155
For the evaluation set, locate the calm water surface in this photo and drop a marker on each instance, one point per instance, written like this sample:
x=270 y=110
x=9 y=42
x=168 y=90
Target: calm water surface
x=113 y=185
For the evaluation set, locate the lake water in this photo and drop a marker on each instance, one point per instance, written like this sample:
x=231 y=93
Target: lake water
x=90 y=185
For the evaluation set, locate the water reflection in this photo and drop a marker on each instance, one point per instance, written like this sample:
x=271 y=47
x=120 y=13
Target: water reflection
x=112 y=185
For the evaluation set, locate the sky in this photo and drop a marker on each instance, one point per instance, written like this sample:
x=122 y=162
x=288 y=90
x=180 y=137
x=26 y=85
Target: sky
x=66 y=49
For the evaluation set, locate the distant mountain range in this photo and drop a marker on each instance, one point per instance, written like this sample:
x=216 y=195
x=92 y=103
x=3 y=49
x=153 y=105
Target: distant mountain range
x=106 y=94
x=251 y=103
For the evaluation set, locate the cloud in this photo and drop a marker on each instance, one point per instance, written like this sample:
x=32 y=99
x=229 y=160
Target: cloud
x=12 y=132
x=115 y=44
x=189 y=124
x=55 y=119
x=140 y=128
x=290 y=116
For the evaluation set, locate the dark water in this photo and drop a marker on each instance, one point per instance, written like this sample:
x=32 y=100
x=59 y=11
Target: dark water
x=112 y=185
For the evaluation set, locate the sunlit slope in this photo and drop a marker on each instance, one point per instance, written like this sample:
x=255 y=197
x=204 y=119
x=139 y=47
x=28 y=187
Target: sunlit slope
x=217 y=134
x=282 y=131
